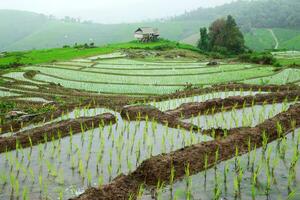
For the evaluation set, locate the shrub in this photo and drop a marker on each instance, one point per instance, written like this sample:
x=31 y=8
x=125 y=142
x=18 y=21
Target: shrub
x=216 y=55
x=11 y=65
x=6 y=106
x=259 y=58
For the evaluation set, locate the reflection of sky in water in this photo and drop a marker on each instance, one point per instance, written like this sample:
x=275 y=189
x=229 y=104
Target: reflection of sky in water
x=247 y=117
x=116 y=144
x=200 y=190
x=174 y=103
x=76 y=113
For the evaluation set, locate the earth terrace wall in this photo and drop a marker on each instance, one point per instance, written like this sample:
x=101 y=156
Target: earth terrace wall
x=55 y=130
x=158 y=168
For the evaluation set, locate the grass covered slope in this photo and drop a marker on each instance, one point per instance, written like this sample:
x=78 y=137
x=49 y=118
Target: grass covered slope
x=63 y=54
x=260 y=39
x=36 y=31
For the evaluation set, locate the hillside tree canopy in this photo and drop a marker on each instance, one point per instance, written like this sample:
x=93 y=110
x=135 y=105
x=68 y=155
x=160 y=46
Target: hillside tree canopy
x=224 y=36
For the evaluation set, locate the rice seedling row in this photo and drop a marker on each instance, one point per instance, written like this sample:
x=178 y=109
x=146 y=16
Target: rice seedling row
x=270 y=172
x=152 y=73
x=88 y=159
x=174 y=103
x=167 y=168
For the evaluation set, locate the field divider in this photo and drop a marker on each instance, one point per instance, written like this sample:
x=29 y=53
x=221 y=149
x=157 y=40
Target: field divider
x=56 y=130
x=188 y=110
x=150 y=75
x=172 y=118
x=133 y=84
x=157 y=68
x=159 y=168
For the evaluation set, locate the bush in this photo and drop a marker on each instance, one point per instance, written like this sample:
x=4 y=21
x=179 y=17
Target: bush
x=6 y=106
x=14 y=64
x=259 y=58
x=216 y=55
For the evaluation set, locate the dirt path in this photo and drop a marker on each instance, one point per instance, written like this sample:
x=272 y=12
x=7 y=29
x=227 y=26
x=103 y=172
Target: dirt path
x=275 y=38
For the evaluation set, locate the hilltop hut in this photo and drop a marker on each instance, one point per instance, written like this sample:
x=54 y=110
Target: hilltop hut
x=146 y=34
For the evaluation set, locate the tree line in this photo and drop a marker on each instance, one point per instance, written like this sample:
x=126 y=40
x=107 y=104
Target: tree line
x=253 y=14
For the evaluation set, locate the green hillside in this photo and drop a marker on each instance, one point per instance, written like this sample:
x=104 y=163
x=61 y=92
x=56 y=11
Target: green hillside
x=262 y=39
x=36 y=31
x=62 y=54
x=288 y=38
x=259 y=39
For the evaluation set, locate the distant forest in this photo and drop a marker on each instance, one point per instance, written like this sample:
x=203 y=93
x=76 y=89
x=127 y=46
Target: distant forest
x=252 y=14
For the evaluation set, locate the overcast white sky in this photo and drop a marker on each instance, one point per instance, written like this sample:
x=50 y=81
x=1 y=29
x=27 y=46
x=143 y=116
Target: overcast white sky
x=110 y=11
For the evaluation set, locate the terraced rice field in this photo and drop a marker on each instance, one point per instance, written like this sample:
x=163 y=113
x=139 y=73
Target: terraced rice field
x=115 y=75
x=288 y=57
x=125 y=76
x=167 y=132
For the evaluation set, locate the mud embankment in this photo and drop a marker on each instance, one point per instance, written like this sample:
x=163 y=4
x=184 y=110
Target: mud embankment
x=158 y=168
x=188 y=110
x=228 y=87
x=55 y=130
x=172 y=118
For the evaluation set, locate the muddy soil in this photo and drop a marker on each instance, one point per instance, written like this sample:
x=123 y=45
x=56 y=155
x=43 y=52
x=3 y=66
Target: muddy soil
x=228 y=87
x=54 y=131
x=173 y=117
x=117 y=102
x=114 y=103
x=158 y=168
x=188 y=110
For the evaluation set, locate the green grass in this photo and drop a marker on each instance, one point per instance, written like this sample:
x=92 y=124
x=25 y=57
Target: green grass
x=259 y=39
x=63 y=54
x=288 y=38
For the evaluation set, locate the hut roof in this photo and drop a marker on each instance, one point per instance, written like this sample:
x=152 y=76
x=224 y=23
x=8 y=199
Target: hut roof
x=147 y=30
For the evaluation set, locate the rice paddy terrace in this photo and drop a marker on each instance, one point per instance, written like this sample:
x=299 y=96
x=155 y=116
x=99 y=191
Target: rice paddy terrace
x=117 y=127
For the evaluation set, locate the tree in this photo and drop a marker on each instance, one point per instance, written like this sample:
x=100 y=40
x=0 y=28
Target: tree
x=224 y=36
x=217 y=34
x=234 y=39
x=204 y=40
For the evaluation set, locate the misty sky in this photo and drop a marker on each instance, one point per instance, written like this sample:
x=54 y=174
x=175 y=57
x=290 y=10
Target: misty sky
x=110 y=11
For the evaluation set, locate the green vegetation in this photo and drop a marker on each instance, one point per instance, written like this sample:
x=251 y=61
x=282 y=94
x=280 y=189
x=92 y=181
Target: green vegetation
x=288 y=38
x=288 y=58
x=253 y=14
x=144 y=80
x=91 y=157
x=224 y=37
x=48 y=32
x=265 y=58
x=14 y=59
x=260 y=39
